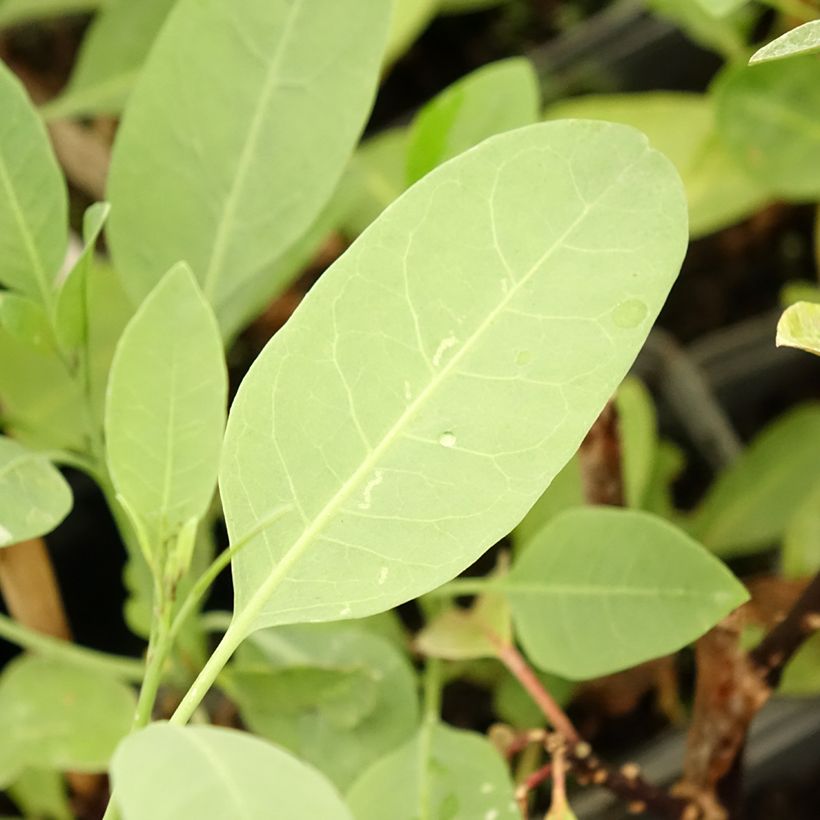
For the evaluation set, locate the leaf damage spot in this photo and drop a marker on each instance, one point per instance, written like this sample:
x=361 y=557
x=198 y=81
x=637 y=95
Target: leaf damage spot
x=444 y=345
x=447 y=440
x=383 y=573
x=368 y=490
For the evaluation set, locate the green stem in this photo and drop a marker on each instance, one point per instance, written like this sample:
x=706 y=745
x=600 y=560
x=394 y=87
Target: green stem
x=464 y=586
x=128 y=669
x=432 y=715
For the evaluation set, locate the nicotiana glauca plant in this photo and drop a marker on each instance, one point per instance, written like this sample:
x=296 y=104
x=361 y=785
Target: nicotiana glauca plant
x=426 y=399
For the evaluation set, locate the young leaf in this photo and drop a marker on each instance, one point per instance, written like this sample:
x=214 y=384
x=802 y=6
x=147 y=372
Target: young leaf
x=26 y=320
x=514 y=286
x=441 y=773
x=33 y=203
x=799 y=327
x=750 y=504
x=42 y=793
x=34 y=497
x=495 y=98
x=767 y=115
x=638 y=434
x=56 y=715
x=169 y=772
x=601 y=589
x=111 y=56
x=801 y=541
x=230 y=194
x=333 y=694
x=165 y=411
x=804 y=39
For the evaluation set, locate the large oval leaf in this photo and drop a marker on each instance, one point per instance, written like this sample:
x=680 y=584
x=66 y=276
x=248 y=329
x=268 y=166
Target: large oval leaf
x=33 y=202
x=243 y=120
x=601 y=589
x=445 y=368
x=34 y=497
x=169 y=772
x=165 y=411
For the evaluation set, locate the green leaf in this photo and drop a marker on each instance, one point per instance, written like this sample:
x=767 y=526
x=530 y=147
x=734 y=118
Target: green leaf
x=804 y=39
x=681 y=126
x=408 y=19
x=638 y=435
x=495 y=98
x=16 y=12
x=26 y=320
x=450 y=363
x=169 y=772
x=667 y=466
x=800 y=556
x=799 y=291
x=230 y=194
x=720 y=8
x=799 y=327
x=514 y=705
x=72 y=303
x=768 y=117
x=750 y=504
x=442 y=774
x=41 y=793
x=336 y=695
x=112 y=54
x=54 y=715
x=801 y=677
x=34 y=497
x=166 y=408
x=33 y=203
x=602 y=589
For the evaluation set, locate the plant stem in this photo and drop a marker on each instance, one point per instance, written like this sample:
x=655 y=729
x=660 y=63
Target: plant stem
x=463 y=586
x=128 y=669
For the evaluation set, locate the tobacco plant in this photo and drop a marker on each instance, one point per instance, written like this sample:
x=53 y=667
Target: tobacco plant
x=412 y=413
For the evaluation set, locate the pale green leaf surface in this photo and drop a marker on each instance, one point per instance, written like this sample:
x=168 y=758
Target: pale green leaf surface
x=34 y=497
x=26 y=320
x=165 y=411
x=112 y=54
x=804 y=39
x=170 y=772
x=33 y=202
x=241 y=160
x=750 y=504
x=60 y=716
x=41 y=793
x=681 y=126
x=800 y=556
x=495 y=98
x=602 y=589
x=335 y=695
x=408 y=19
x=799 y=327
x=452 y=360
x=638 y=435
x=768 y=116
x=666 y=467
x=442 y=774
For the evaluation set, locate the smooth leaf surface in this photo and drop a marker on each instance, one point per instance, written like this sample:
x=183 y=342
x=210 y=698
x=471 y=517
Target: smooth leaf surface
x=804 y=39
x=165 y=411
x=335 y=695
x=515 y=706
x=767 y=115
x=442 y=774
x=495 y=98
x=638 y=434
x=681 y=126
x=750 y=504
x=800 y=556
x=243 y=119
x=170 y=772
x=33 y=204
x=26 y=320
x=449 y=363
x=112 y=54
x=34 y=497
x=799 y=327
x=601 y=589
x=408 y=19
x=57 y=716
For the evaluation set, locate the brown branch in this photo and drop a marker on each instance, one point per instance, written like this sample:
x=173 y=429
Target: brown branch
x=600 y=460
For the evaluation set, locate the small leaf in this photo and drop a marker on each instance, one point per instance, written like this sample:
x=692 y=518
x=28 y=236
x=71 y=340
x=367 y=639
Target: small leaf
x=514 y=705
x=638 y=434
x=800 y=556
x=230 y=194
x=111 y=56
x=335 y=695
x=602 y=589
x=750 y=504
x=515 y=285
x=799 y=327
x=495 y=98
x=804 y=39
x=667 y=466
x=166 y=408
x=54 y=715
x=442 y=774
x=41 y=793
x=767 y=115
x=33 y=202
x=169 y=772
x=34 y=497
x=72 y=302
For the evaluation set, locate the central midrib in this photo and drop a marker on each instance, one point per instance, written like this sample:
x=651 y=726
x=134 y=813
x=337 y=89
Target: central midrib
x=294 y=552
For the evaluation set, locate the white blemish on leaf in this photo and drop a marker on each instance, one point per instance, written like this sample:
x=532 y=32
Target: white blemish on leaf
x=383 y=573
x=5 y=536
x=345 y=611
x=444 y=345
x=447 y=440
x=368 y=490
